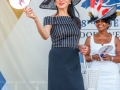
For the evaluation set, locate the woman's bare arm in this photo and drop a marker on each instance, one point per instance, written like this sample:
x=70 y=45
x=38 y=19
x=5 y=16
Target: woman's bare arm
x=43 y=31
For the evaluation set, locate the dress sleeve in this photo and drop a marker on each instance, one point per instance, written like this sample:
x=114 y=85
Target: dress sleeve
x=48 y=20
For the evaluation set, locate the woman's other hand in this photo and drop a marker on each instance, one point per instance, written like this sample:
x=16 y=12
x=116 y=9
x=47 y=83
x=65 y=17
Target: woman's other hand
x=83 y=49
x=95 y=57
x=29 y=13
x=107 y=57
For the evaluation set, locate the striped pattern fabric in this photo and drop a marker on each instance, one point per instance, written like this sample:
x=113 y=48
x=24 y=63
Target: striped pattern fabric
x=64 y=32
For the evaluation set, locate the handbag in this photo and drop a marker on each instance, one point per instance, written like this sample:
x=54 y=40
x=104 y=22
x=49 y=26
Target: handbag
x=90 y=76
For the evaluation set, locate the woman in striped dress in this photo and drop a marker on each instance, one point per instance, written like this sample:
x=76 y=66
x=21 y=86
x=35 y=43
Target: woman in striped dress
x=64 y=71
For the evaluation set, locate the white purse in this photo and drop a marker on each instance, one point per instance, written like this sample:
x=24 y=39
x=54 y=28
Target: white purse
x=90 y=76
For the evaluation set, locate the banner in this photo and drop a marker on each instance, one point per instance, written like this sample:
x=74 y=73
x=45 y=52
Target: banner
x=24 y=54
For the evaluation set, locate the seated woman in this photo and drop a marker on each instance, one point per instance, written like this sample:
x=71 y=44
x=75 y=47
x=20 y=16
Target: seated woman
x=109 y=77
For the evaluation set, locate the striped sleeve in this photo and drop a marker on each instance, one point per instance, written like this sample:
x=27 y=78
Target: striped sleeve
x=48 y=20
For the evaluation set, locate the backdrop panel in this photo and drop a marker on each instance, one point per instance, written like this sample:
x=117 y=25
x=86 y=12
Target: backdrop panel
x=24 y=54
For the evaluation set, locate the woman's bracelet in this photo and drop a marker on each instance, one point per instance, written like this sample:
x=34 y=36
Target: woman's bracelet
x=91 y=58
x=112 y=59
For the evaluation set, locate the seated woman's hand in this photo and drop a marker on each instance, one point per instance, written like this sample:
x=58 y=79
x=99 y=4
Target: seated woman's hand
x=96 y=57
x=107 y=57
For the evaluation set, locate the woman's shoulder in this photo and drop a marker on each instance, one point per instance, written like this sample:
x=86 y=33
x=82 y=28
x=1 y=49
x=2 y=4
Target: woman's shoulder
x=48 y=17
x=54 y=19
x=49 y=20
x=88 y=38
x=51 y=16
x=56 y=16
x=116 y=39
x=96 y=35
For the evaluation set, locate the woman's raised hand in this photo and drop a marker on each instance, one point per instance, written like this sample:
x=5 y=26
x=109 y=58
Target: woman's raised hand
x=29 y=13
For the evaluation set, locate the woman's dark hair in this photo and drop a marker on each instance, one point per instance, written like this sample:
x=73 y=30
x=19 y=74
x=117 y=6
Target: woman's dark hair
x=110 y=18
x=71 y=11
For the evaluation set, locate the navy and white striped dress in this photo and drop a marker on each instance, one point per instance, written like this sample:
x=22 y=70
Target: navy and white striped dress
x=64 y=71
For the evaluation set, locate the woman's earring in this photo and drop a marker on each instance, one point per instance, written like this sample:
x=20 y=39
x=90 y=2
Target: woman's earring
x=70 y=3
